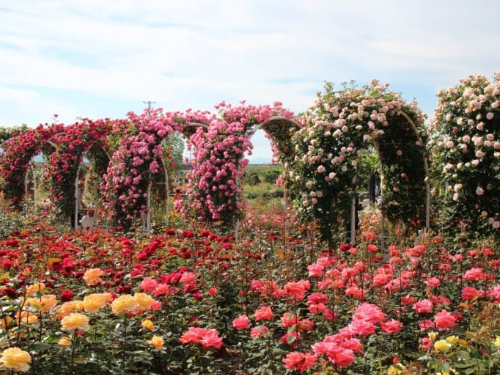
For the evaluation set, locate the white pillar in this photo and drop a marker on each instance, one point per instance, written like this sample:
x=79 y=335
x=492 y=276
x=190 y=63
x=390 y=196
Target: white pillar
x=353 y=220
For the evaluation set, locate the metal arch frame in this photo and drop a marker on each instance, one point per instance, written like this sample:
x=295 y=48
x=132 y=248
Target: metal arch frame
x=426 y=168
x=33 y=172
x=256 y=128
x=147 y=226
x=77 y=178
x=427 y=184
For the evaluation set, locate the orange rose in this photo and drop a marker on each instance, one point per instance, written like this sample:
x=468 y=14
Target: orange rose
x=43 y=304
x=25 y=317
x=144 y=301
x=64 y=341
x=94 y=302
x=69 y=307
x=157 y=342
x=124 y=304
x=16 y=359
x=75 y=321
x=32 y=289
x=93 y=276
x=148 y=324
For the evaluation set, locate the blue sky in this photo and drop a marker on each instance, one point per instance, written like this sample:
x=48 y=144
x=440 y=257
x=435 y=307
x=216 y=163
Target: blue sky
x=103 y=58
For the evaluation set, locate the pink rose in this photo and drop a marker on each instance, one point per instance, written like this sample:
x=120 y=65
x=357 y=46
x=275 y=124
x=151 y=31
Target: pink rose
x=299 y=361
x=241 y=322
x=424 y=306
x=361 y=327
x=391 y=326
x=258 y=331
x=264 y=313
x=444 y=320
x=469 y=293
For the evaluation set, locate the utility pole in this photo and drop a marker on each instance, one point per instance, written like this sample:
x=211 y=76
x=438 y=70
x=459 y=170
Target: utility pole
x=149 y=103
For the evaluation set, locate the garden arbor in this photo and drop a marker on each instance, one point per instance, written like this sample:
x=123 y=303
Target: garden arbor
x=341 y=129
x=321 y=153
x=139 y=162
x=17 y=156
x=218 y=163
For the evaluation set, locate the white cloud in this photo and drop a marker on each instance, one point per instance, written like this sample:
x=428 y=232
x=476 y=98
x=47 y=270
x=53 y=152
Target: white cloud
x=195 y=53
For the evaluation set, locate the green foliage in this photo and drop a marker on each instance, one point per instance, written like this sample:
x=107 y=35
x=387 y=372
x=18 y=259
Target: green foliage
x=8 y=132
x=335 y=151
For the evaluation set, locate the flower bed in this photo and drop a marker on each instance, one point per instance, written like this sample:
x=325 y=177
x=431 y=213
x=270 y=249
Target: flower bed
x=191 y=302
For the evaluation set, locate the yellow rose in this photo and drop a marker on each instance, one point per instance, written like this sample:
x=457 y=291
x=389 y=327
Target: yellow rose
x=157 y=342
x=68 y=307
x=93 y=276
x=75 y=321
x=124 y=304
x=497 y=342
x=442 y=346
x=94 y=302
x=144 y=301
x=148 y=324
x=64 y=341
x=43 y=304
x=452 y=339
x=16 y=359
x=395 y=369
x=432 y=336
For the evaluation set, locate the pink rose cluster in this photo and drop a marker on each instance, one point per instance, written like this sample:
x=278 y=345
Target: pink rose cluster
x=218 y=159
x=208 y=338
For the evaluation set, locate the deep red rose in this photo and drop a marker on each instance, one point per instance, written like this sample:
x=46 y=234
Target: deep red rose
x=67 y=295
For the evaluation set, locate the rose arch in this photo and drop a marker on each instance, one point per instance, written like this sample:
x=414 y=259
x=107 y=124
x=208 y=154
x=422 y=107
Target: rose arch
x=139 y=162
x=341 y=128
x=17 y=155
x=466 y=156
x=218 y=164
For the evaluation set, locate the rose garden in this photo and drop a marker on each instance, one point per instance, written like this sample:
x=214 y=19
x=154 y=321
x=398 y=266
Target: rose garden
x=311 y=282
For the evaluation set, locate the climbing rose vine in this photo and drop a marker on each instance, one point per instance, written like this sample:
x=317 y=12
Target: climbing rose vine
x=343 y=126
x=466 y=154
x=218 y=162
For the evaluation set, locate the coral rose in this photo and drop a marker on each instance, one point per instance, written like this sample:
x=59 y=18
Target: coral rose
x=299 y=361
x=469 y=293
x=423 y=306
x=211 y=340
x=445 y=320
x=258 y=331
x=241 y=322
x=264 y=313
x=361 y=327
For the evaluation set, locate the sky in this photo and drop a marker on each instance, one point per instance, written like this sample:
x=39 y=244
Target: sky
x=104 y=58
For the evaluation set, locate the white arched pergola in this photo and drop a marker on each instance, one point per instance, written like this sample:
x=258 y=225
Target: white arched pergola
x=77 y=188
x=147 y=223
